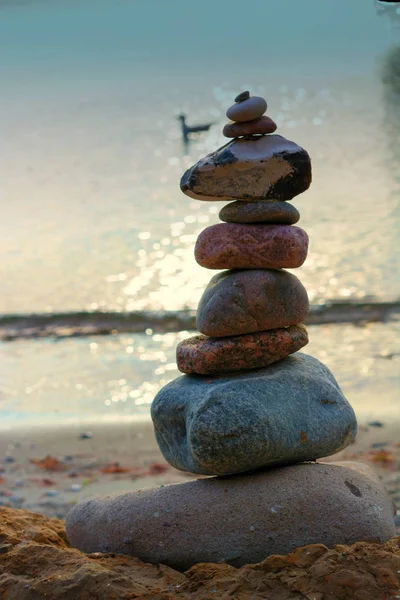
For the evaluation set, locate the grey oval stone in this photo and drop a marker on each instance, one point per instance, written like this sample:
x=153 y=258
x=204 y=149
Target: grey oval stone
x=238 y=520
x=250 y=300
x=259 y=212
x=247 y=109
x=288 y=412
x=266 y=167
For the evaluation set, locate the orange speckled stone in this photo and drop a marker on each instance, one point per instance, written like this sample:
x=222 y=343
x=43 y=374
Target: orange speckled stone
x=261 y=125
x=242 y=246
x=208 y=356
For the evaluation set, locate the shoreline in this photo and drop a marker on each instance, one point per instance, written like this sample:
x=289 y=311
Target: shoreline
x=86 y=323
x=49 y=469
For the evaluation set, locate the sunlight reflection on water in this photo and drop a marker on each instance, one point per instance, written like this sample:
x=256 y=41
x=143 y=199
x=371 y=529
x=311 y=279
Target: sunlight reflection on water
x=90 y=173
x=118 y=376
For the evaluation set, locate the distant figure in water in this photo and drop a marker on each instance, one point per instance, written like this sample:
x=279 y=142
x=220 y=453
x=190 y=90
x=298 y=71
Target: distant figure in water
x=187 y=130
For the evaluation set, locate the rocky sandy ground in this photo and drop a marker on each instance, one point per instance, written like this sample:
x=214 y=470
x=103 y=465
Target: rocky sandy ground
x=36 y=562
x=49 y=470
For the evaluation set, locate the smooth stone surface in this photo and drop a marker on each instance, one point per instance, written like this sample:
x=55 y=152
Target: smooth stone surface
x=290 y=411
x=266 y=167
x=246 y=110
x=262 y=125
x=238 y=246
x=210 y=356
x=247 y=301
x=238 y=520
x=259 y=212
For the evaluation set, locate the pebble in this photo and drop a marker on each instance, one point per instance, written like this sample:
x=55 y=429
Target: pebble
x=204 y=355
x=240 y=246
x=16 y=499
x=259 y=212
x=290 y=411
x=249 y=301
x=259 y=126
x=248 y=109
x=266 y=167
x=212 y=519
x=242 y=96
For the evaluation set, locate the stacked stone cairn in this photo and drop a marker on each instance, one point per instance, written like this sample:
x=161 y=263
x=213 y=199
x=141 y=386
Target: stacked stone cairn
x=250 y=411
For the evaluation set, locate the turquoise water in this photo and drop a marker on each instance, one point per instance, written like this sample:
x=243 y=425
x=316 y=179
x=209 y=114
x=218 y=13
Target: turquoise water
x=91 y=157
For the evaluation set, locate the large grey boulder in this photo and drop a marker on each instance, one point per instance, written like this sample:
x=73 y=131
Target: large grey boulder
x=258 y=168
x=288 y=412
x=240 y=519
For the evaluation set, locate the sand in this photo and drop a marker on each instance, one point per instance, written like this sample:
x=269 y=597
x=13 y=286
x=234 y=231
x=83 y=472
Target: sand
x=49 y=469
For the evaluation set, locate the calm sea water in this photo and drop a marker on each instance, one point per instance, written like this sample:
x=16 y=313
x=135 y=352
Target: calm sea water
x=91 y=154
x=91 y=157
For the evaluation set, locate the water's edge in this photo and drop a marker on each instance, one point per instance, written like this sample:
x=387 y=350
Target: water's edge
x=73 y=324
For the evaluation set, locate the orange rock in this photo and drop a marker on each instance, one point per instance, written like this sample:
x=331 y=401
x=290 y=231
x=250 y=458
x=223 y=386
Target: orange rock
x=115 y=468
x=49 y=463
x=205 y=356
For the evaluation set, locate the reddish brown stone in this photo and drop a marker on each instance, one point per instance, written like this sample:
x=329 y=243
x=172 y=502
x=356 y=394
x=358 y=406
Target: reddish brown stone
x=254 y=127
x=240 y=246
x=247 y=301
x=206 y=356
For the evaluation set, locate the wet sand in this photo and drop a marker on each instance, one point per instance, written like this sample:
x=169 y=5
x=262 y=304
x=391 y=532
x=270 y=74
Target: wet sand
x=49 y=469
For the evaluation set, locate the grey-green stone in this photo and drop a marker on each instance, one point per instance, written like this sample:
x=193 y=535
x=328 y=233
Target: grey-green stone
x=288 y=412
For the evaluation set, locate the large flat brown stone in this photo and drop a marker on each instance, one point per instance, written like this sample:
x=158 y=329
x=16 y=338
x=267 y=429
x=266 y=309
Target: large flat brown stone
x=239 y=519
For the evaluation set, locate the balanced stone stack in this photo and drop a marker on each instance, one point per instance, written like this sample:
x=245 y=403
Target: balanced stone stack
x=249 y=406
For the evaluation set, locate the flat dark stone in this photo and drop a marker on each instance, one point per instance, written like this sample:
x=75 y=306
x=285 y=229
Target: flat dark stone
x=259 y=212
x=242 y=96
